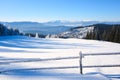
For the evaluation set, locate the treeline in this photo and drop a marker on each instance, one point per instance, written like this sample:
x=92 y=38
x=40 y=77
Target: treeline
x=4 y=31
x=105 y=32
x=34 y=35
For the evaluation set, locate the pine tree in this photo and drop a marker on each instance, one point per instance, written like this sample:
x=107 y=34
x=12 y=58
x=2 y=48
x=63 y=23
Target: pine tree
x=37 y=35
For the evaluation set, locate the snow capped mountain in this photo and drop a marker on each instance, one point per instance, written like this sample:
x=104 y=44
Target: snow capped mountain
x=78 y=23
x=71 y=23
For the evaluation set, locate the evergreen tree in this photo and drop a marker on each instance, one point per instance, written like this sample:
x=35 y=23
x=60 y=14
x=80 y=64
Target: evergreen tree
x=4 y=31
x=105 y=32
x=37 y=35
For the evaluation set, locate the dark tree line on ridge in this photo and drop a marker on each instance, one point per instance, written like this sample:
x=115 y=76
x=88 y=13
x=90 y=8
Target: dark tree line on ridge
x=34 y=35
x=105 y=32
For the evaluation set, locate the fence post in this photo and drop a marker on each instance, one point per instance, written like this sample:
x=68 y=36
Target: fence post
x=80 y=62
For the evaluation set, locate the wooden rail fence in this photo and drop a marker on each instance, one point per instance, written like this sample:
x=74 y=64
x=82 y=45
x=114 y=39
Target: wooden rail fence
x=94 y=66
x=80 y=57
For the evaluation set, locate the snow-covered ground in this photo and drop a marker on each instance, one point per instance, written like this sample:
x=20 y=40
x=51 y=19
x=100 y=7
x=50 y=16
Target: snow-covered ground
x=21 y=59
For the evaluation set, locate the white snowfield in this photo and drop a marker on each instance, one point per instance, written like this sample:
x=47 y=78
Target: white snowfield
x=25 y=58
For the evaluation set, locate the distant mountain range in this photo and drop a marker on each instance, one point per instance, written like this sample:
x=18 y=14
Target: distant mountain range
x=78 y=23
x=52 y=27
x=35 y=27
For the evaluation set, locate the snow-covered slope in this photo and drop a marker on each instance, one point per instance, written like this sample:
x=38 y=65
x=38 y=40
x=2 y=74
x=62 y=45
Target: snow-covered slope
x=19 y=53
x=73 y=33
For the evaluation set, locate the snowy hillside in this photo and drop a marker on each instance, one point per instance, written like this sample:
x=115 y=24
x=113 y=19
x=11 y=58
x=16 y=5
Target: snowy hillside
x=74 y=33
x=21 y=58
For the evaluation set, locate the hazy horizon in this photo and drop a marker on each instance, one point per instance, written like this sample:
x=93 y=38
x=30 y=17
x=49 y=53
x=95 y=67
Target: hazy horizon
x=62 y=21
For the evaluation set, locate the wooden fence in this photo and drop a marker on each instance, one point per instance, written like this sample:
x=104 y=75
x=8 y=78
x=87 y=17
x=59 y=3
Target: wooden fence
x=94 y=66
x=80 y=57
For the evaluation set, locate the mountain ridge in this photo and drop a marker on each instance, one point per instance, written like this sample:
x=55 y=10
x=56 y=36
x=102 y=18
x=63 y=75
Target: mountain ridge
x=52 y=27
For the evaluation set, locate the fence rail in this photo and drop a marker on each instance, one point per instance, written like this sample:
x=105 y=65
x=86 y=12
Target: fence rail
x=59 y=58
x=94 y=66
x=66 y=67
x=10 y=61
x=100 y=54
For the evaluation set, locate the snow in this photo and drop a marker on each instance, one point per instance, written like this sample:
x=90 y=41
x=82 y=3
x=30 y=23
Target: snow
x=75 y=33
x=15 y=50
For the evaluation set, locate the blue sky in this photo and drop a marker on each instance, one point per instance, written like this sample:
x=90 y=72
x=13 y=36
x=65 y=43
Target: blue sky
x=47 y=10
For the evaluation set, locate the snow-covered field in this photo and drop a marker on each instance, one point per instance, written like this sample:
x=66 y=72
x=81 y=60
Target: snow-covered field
x=21 y=59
